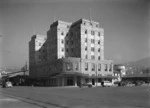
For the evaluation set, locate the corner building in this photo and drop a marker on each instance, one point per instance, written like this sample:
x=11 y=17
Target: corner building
x=70 y=54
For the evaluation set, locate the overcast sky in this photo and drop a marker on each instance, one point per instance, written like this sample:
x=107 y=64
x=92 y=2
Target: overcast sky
x=125 y=24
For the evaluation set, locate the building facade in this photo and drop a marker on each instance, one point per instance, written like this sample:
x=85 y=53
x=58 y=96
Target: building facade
x=70 y=54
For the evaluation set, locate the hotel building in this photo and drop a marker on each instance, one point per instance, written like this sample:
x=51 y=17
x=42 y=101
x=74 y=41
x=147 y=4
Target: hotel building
x=70 y=54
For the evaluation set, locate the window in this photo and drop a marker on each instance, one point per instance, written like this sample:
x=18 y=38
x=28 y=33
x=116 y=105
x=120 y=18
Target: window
x=85 y=39
x=86 y=66
x=92 y=57
x=110 y=67
x=99 y=57
x=98 y=49
x=67 y=42
x=92 y=49
x=92 y=41
x=67 y=50
x=105 y=67
x=68 y=66
x=93 y=66
x=40 y=44
x=76 y=66
x=86 y=48
x=85 y=31
x=62 y=49
x=99 y=67
x=71 y=33
x=72 y=42
x=92 y=32
x=99 y=42
x=67 y=34
x=72 y=49
x=86 y=56
x=62 y=33
x=96 y=25
x=99 y=34
x=62 y=41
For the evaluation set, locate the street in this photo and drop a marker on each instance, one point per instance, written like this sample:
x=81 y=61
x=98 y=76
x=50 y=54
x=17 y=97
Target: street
x=74 y=97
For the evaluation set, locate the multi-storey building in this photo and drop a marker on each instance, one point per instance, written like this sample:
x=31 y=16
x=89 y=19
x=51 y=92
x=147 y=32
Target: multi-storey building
x=71 y=53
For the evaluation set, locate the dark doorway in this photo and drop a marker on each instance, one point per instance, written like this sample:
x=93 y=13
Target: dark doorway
x=69 y=81
x=93 y=81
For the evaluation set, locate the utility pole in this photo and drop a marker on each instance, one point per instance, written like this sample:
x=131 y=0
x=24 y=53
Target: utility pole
x=96 y=75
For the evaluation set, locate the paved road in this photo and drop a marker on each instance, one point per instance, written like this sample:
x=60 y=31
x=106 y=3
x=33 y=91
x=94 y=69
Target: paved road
x=60 y=97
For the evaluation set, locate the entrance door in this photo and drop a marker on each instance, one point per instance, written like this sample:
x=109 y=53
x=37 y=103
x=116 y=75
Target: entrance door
x=69 y=81
x=93 y=81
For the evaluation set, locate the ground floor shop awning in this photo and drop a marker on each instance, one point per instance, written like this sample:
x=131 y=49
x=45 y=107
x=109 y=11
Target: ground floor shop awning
x=81 y=75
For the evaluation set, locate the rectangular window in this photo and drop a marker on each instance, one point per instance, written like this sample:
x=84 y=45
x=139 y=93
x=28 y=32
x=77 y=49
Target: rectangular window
x=92 y=57
x=85 y=31
x=62 y=33
x=68 y=66
x=86 y=48
x=72 y=49
x=110 y=67
x=92 y=49
x=86 y=66
x=40 y=44
x=72 y=42
x=99 y=67
x=85 y=39
x=98 y=49
x=62 y=49
x=93 y=67
x=105 y=67
x=92 y=32
x=86 y=56
x=92 y=41
x=62 y=41
x=99 y=57
x=99 y=42
x=67 y=50
x=67 y=42
x=76 y=66
x=99 y=34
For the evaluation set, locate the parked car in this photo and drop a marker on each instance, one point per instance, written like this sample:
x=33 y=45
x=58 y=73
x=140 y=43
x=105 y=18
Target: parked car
x=85 y=85
x=106 y=84
x=9 y=84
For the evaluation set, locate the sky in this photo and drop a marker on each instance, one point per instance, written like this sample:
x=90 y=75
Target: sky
x=125 y=23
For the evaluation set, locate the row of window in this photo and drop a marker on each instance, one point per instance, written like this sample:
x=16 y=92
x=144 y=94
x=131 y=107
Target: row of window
x=92 y=49
x=92 y=57
x=92 y=40
x=67 y=42
x=92 y=32
x=86 y=23
x=69 y=66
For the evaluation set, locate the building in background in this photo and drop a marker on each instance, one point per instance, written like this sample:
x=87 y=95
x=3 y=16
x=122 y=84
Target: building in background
x=119 y=71
x=70 y=54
